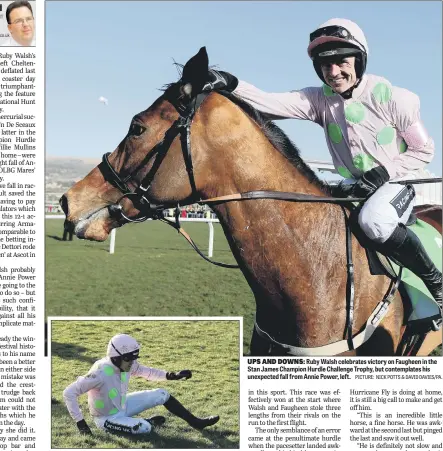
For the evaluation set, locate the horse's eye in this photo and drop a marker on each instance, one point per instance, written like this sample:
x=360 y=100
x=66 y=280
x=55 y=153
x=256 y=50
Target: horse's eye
x=136 y=129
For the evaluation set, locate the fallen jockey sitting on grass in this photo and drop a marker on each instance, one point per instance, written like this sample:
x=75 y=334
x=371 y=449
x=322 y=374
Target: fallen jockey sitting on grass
x=112 y=409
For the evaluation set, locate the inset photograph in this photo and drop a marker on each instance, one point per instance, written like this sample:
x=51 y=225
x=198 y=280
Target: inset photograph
x=17 y=24
x=136 y=384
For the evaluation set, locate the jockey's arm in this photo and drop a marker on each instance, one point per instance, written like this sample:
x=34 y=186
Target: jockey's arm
x=405 y=113
x=153 y=374
x=71 y=393
x=150 y=374
x=287 y=105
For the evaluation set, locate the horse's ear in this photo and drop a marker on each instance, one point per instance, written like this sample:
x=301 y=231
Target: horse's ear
x=195 y=71
x=201 y=58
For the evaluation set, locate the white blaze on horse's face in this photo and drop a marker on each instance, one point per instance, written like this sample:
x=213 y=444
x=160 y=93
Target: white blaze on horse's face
x=187 y=89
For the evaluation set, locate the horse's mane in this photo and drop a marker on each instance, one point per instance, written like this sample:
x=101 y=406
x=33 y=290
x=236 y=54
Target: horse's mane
x=273 y=133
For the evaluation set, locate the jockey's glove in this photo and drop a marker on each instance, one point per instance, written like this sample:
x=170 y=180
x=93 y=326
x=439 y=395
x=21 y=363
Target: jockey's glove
x=342 y=190
x=175 y=376
x=83 y=427
x=219 y=80
x=370 y=181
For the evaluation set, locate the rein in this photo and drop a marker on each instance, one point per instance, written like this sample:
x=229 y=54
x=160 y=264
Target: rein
x=253 y=195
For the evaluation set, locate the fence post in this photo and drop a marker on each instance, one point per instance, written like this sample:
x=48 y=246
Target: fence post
x=112 y=244
x=211 y=239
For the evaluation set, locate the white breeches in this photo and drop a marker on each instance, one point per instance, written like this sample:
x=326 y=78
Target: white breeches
x=137 y=402
x=389 y=206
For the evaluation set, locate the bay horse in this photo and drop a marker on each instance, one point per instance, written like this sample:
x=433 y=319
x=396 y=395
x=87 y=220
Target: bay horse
x=186 y=148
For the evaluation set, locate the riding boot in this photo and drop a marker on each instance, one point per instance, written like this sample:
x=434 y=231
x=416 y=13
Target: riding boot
x=156 y=420
x=179 y=410
x=406 y=248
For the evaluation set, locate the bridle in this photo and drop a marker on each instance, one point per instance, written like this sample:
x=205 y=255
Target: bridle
x=182 y=127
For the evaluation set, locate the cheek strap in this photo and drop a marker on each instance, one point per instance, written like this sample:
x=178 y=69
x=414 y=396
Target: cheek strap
x=416 y=135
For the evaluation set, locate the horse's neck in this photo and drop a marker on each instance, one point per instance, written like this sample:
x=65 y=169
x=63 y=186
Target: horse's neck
x=245 y=160
x=288 y=252
x=236 y=156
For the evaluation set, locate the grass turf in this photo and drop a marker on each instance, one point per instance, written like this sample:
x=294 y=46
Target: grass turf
x=209 y=348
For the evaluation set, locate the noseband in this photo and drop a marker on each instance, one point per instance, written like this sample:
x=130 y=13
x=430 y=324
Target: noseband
x=182 y=127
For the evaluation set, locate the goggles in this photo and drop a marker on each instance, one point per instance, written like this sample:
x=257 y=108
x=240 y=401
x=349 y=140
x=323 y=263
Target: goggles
x=335 y=31
x=129 y=356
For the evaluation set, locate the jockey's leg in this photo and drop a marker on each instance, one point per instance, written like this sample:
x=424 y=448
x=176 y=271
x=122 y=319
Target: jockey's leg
x=135 y=403
x=138 y=402
x=175 y=407
x=382 y=219
x=121 y=424
x=407 y=249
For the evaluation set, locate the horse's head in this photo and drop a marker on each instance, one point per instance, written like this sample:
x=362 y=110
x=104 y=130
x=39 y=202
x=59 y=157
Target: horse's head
x=149 y=169
x=234 y=149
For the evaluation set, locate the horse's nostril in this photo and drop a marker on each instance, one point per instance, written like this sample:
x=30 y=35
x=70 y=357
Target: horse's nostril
x=64 y=204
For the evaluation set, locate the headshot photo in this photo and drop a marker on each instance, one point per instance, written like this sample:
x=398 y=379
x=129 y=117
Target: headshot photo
x=19 y=23
x=121 y=384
